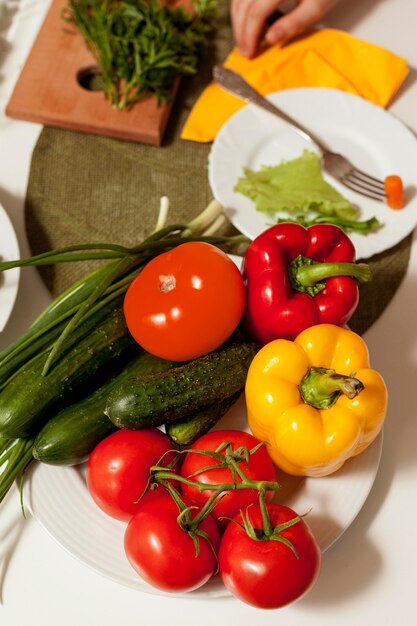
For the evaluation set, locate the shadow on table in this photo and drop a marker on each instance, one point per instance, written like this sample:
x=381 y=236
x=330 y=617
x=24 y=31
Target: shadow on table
x=346 y=15
x=409 y=81
x=395 y=356
x=10 y=538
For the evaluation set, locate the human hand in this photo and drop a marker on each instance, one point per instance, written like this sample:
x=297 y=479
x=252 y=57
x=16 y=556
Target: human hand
x=249 y=19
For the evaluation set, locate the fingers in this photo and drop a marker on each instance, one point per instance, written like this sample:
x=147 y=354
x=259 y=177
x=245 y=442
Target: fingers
x=304 y=15
x=248 y=19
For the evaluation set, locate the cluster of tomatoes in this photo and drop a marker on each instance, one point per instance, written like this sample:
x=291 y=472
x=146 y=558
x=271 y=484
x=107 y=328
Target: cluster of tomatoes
x=264 y=553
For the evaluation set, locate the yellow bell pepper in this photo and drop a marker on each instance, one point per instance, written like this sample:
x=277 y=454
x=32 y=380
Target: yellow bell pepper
x=315 y=400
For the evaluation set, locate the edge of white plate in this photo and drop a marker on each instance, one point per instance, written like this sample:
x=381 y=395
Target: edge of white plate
x=10 y=279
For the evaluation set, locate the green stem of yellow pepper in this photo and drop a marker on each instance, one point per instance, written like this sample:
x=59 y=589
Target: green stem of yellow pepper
x=321 y=387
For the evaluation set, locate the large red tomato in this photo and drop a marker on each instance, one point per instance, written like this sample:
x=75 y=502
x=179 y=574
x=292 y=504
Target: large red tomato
x=185 y=302
x=259 y=467
x=267 y=573
x=163 y=553
x=118 y=469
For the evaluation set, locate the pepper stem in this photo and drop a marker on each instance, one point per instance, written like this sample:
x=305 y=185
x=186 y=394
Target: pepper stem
x=306 y=274
x=321 y=387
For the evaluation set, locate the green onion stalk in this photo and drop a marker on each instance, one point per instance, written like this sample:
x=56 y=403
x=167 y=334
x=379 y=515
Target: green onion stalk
x=51 y=331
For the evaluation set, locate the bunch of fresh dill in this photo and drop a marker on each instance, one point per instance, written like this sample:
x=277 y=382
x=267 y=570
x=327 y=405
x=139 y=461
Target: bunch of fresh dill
x=142 y=46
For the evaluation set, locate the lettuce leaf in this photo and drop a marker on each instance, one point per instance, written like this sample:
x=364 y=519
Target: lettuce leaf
x=294 y=187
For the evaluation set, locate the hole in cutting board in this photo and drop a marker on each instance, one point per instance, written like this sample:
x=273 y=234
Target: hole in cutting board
x=89 y=78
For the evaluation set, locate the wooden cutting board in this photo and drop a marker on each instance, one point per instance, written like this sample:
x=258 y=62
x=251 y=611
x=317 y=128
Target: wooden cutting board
x=48 y=90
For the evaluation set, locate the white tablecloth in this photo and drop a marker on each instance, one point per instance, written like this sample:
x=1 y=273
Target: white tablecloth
x=369 y=575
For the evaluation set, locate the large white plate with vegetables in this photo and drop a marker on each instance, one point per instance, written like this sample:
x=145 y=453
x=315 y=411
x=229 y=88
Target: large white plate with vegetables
x=373 y=139
x=9 y=280
x=58 y=498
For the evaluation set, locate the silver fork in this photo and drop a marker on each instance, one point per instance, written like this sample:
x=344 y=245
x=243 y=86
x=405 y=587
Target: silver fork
x=335 y=164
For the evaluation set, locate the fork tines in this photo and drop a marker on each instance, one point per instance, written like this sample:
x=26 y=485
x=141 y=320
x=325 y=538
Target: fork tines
x=363 y=183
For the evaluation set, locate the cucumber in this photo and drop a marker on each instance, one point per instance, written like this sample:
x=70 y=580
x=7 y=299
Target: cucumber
x=27 y=398
x=153 y=400
x=185 y=431
x=71 y=435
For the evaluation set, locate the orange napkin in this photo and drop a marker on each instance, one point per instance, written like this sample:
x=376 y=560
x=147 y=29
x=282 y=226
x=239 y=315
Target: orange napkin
x=323 y=58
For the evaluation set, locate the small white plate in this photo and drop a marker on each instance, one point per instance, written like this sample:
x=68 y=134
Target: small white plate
x=58 y=498
x=9 y=280
x=369 y=136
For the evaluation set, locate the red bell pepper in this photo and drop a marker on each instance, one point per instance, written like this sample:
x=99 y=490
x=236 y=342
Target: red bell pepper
x=297 y=277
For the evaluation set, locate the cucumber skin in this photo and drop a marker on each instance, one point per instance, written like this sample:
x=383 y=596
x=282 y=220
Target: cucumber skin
x=154 y=400
x=56 y=445
x=26 y=400
x=183 y=432
x=72 y=434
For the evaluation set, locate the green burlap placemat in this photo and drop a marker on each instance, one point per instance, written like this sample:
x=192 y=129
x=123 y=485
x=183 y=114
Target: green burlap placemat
x=85 y=188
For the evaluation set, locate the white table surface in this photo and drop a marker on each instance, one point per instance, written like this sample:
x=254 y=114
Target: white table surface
x=369 y=575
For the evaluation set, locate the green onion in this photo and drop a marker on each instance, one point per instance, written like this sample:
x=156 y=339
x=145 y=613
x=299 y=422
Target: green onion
x=14 y=460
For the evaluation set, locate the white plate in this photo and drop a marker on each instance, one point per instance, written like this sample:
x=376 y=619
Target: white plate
x=371 y=138
x=59 y=500
x=9 y=280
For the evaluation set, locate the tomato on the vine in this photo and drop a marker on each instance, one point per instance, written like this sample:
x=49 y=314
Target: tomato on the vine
x=185 y=302
x=266 y=572
x=118 y=469
x=196 y=466
x=163 y=553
